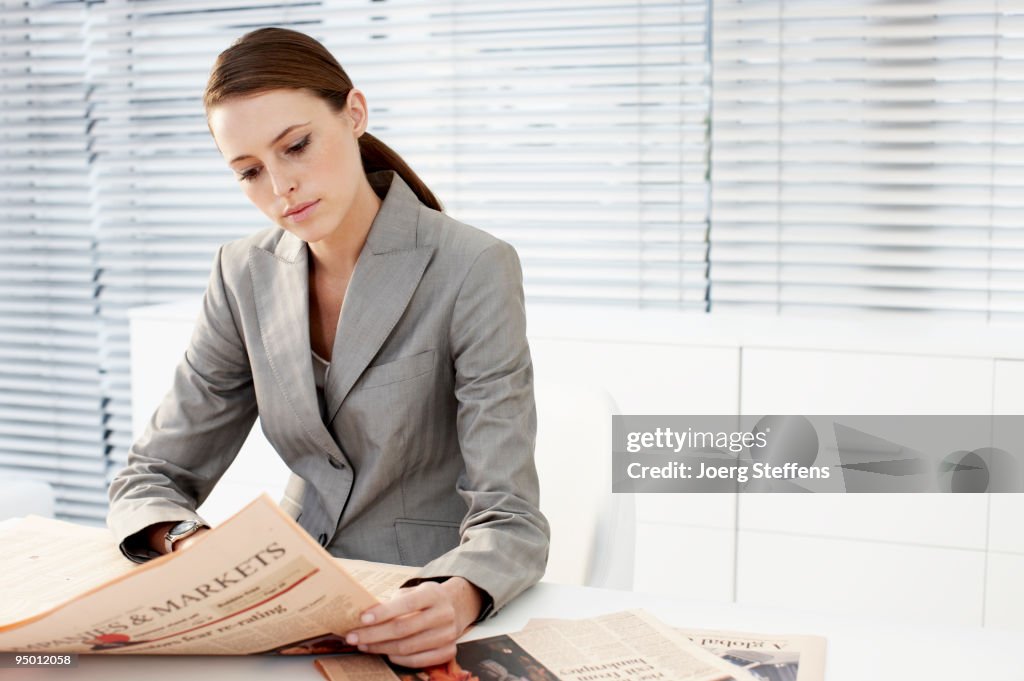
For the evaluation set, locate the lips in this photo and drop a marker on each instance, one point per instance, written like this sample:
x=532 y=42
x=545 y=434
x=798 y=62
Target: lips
x=302 y=210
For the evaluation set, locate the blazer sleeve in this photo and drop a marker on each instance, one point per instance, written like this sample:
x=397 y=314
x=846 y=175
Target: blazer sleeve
x=504 y=536
x=196 y=431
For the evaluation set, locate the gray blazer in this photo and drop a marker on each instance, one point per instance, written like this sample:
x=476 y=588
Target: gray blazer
x=427 y=455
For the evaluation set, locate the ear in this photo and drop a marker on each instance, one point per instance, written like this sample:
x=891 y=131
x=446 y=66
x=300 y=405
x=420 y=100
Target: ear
x=355 y=106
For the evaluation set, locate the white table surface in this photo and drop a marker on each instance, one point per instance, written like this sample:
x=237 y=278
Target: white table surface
x=859 y=649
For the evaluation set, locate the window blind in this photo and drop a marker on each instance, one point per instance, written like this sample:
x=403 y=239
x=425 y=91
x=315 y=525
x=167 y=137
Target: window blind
x=51 y=405
x=577 y=131
x=864 y=157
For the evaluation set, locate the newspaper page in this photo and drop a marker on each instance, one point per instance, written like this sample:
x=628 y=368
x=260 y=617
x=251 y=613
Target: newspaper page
x=47 y=562
x=630 y=645
x=623 y=645
x=382 y=580
x=766 y=657
x=258 y=583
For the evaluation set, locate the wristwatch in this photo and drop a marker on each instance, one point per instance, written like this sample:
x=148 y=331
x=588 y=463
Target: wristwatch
x=186 y=528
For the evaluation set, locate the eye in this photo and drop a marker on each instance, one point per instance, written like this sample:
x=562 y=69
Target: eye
x=296 y=149
x=249 y=175
x=299 y=146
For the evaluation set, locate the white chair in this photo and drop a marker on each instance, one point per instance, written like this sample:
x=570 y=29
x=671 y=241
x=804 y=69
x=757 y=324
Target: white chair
x=23 y=496
x=593 y=532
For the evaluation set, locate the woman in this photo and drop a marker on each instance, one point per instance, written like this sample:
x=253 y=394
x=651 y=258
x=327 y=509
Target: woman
x=383 y=346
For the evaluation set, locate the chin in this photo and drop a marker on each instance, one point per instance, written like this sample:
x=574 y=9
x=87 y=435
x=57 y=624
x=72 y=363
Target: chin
x=309 y=234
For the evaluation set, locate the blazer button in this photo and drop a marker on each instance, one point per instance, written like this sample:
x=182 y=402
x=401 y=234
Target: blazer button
x=335 y=463
x=323 y=539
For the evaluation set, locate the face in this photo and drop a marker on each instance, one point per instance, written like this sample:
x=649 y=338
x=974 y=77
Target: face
x=295 y=159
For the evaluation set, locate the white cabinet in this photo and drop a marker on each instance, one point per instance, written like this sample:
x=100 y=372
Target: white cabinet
x=896 y=536
x=940 y=520
x=1006 y=524
x=1008 y=393
x=1004 y=587
x=692 y=562
x=1004 y=591
x=882 y=580
x=803 y=381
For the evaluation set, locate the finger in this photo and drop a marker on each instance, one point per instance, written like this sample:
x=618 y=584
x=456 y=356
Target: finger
x=401 y=627
x=427 y=658
x=407 y=601
x=428 y=639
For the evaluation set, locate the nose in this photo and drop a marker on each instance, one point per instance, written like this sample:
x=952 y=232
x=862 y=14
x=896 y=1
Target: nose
x=283 y=183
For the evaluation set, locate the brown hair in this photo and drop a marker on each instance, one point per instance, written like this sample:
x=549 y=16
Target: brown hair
x=279 y=58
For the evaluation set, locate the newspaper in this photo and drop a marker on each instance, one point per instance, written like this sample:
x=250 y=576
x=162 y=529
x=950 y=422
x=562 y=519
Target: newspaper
x=47 y=562
x=258 y=583
x=380 y=579
x=622 y=645
x=766 y=657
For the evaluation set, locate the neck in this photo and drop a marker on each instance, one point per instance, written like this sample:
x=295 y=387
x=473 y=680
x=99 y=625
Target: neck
x=338 y=252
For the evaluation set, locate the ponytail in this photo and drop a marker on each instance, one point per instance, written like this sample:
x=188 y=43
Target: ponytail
x=378 y=156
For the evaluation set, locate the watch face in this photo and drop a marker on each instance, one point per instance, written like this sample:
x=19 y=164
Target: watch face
x=183 y=528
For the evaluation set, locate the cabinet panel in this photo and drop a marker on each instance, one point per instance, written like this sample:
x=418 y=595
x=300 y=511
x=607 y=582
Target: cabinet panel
x=1004 y=592
x=823 y=382
x=941 y=520
x=842 y=576
x=819 y=382
x=1008 y=395
x=1007 y=510
x=693 y=510
x=646 y=378
x=691 y=562
x=1005 y=516
x=156 y=348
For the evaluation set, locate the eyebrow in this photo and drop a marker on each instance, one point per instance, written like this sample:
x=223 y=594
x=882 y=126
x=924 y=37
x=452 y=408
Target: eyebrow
x=273 y=141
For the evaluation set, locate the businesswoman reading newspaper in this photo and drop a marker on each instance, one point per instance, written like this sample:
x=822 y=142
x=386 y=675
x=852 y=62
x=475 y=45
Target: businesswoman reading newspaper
x=382 y=345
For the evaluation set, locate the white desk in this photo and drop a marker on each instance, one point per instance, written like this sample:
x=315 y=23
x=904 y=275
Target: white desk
x=858 y=649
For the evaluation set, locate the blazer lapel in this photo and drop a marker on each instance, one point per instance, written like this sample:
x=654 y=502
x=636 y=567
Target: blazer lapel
x=386 y=275
x=281 y=287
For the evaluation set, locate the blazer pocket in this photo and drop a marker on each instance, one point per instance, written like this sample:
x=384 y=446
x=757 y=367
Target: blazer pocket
x=397 y=370
x=421 y=541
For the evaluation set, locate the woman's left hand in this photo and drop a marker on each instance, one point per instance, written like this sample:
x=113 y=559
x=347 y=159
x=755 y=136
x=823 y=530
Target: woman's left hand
x=419 y=626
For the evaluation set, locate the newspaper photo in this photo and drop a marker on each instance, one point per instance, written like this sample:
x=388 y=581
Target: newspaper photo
x=623 y=645
x=257 y=584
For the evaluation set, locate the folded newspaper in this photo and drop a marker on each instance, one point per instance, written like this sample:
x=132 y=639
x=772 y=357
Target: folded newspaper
x=623 y=645
x=765 y=656
x=256 y=584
